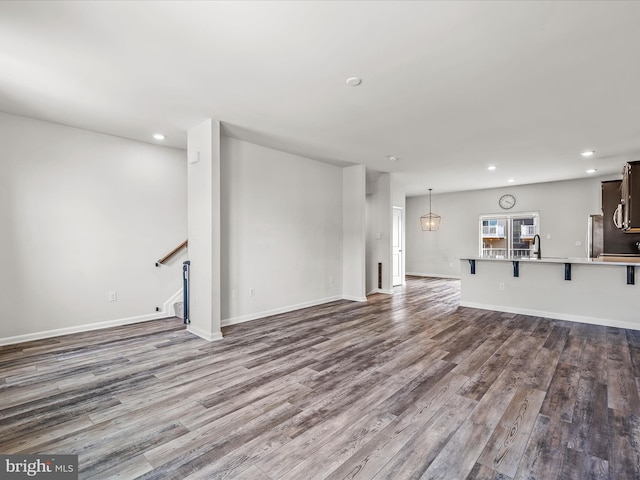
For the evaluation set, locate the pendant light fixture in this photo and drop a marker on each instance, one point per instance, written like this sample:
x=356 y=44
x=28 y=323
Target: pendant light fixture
x=430 y=222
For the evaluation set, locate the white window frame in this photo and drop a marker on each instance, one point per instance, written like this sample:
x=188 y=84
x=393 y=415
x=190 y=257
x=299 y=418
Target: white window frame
x=508 y=252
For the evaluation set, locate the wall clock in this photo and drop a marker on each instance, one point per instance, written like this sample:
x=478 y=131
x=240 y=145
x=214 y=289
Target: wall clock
x=507 y=201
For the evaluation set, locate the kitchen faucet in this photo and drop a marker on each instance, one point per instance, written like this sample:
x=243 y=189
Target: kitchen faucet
x=537 y=251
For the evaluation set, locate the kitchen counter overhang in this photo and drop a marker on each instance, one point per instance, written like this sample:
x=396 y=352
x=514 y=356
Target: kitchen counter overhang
x=597 y=291
x=603 y=260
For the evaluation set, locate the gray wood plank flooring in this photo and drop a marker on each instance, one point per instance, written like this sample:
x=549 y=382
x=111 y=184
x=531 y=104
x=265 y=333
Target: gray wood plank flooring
x=408 y=386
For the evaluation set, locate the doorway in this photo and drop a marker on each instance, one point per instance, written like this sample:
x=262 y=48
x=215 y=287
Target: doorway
x=396 y=246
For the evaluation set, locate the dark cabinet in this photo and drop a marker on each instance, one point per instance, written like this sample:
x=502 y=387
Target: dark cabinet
x=615 y=241
x=630 y=198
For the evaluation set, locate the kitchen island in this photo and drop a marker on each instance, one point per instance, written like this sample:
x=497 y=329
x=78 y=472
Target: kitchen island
x=601 y=292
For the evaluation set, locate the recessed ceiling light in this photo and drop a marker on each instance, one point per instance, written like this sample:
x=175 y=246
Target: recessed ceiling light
x=588 y=153
x=592 y=170
x=491 y=167
x=159 y=136
x=392 y=158
x=354 y=81
x=511 y=180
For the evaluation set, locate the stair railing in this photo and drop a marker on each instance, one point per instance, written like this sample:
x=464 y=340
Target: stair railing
x=172 y=253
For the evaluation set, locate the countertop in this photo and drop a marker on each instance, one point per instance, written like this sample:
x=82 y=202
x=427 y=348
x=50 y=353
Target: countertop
x=610 y=260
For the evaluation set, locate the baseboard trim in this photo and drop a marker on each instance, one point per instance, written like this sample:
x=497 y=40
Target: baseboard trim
x=353 y=298
x=380 y=290
x=209 y=337
x=433 y=275
x=28 y=337
x=276 y=311
x=167 y=311
x=555 y=315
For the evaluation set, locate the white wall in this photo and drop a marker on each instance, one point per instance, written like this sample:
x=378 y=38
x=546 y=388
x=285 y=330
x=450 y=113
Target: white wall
x=563 y=206
x=353 y=227
x=398 y=195
x=84 y=214
x=203 y=147
x=281 y=231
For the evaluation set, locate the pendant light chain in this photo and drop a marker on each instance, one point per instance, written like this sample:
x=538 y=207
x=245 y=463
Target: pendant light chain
x=430 y=201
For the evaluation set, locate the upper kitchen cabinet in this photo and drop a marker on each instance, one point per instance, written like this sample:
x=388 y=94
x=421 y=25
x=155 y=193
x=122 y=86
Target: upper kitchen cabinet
x=629 y=209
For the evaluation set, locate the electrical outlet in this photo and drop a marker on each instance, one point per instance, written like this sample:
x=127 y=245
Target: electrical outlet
x=501 y=287
x=331 y=280
x=252 y=292
x=234 y=293
x=157 y=309
x=113 y=296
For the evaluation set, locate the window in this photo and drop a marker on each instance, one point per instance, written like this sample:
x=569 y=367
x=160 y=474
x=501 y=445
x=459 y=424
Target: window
x=508 y=236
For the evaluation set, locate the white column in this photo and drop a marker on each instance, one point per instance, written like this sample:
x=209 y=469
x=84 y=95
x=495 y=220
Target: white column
x=379 y=229
x=354 y=233
x=203 y=151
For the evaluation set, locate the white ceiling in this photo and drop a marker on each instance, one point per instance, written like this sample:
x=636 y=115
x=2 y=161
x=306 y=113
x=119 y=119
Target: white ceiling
x=448 y=87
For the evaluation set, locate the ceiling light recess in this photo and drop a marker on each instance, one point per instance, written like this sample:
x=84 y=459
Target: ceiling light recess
x=392 y=158
x=588 y=153
x=354 y=81
x=592 y=170
x=491 y=167
x=159 y=136
x=511 y=180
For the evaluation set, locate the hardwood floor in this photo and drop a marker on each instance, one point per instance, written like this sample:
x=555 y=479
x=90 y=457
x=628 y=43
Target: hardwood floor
x=401 y=387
